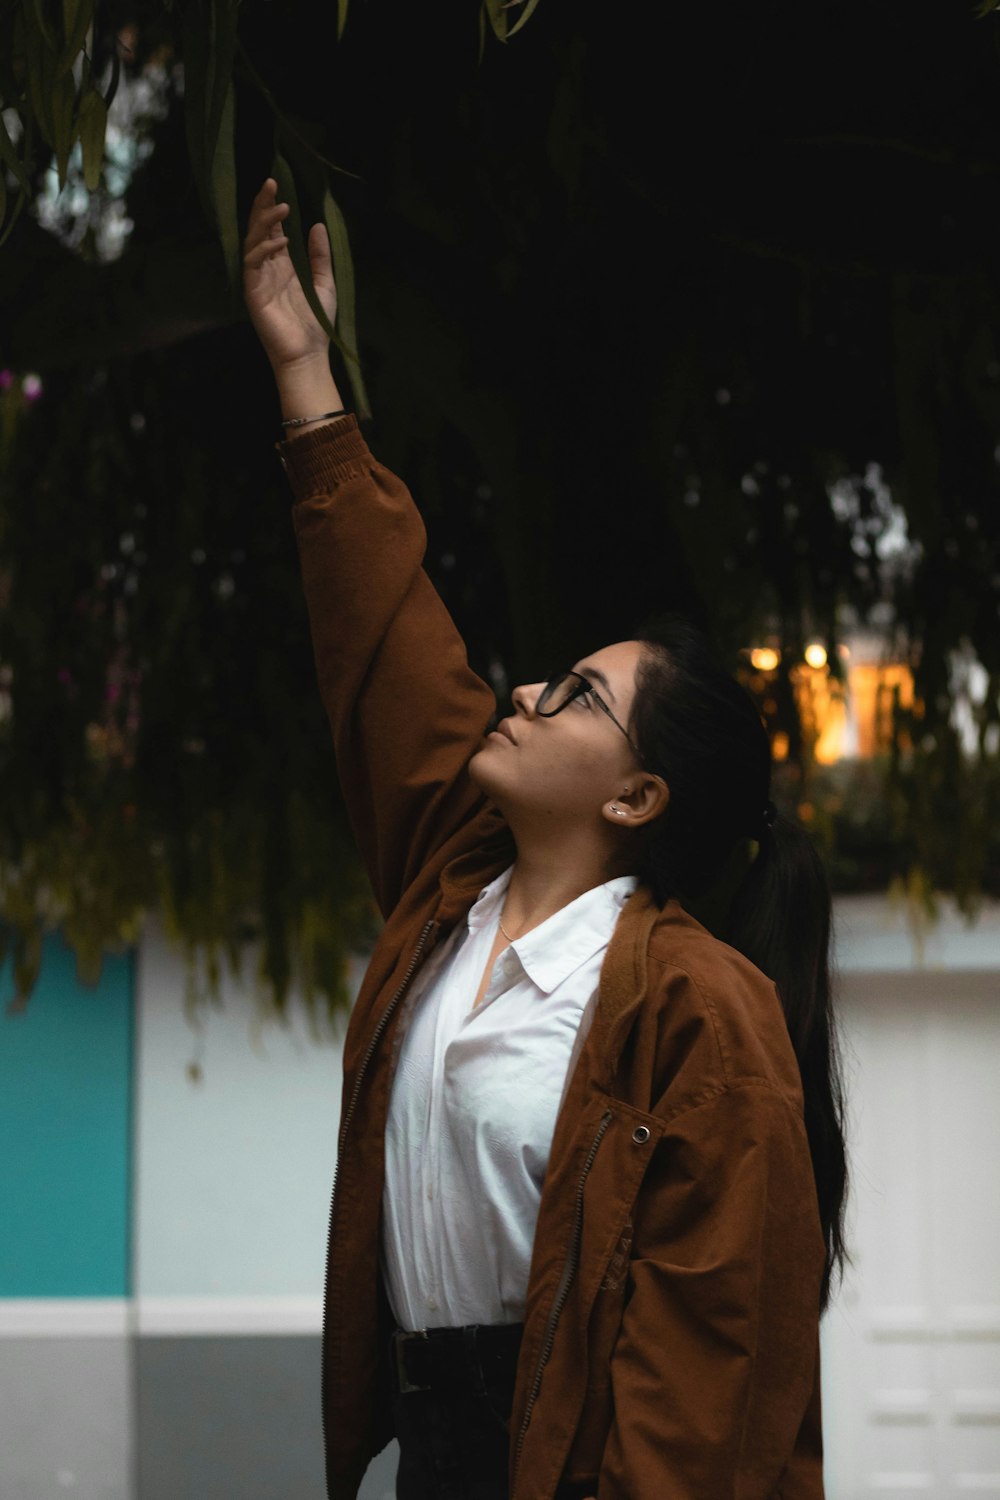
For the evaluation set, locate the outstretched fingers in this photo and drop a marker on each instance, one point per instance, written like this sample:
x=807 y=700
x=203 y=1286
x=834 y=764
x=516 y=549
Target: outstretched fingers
x=265 y=229
x=264 y=251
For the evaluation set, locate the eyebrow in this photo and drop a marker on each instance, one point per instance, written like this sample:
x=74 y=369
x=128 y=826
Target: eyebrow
x=589 y=672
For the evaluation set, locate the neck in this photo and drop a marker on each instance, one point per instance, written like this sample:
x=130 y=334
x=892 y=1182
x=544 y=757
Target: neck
x=546 y=877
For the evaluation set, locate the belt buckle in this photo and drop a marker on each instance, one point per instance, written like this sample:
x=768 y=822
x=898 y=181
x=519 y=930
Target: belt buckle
x=405 y=1384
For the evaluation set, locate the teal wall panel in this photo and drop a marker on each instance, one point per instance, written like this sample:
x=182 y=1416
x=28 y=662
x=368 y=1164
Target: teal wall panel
x=65 y=1131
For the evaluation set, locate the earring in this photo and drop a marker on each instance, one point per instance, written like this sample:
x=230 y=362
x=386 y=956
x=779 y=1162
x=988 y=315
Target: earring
x=617 y=810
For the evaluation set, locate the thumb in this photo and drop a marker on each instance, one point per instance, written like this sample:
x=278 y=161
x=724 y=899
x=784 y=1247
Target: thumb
x=320 y=260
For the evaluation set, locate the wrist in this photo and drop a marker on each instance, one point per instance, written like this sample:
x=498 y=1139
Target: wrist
x=306 y=389
x=318 y=362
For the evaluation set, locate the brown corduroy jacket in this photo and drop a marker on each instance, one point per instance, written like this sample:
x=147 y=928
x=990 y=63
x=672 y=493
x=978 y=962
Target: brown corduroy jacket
x=671 y=1345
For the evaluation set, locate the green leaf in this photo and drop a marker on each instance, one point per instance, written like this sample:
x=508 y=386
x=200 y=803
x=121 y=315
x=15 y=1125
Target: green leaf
x=219 y=80
x=282 y=173
x=116 y=73
x=524 y=17
x=40 y=22
x=341 y=17
x=93 y=123
x=9 y=156
x=224 y=190
x=343 y=268
x=40 y=80
x=497 y=18
x=209 y=51
x=307 y=168
x=77 y=18
x=10 y=159
x=63 y=124
x=71 y=10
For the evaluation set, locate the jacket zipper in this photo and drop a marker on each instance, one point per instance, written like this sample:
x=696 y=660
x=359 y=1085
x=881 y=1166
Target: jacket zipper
x=345 y=1125
x=565 y=1282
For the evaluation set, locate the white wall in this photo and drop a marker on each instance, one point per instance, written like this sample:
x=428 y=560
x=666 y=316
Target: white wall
x=912 y=1344
x=873 y=934
x=233 y=1171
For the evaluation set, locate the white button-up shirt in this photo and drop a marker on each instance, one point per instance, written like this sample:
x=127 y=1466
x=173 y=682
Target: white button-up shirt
x=473 y=1107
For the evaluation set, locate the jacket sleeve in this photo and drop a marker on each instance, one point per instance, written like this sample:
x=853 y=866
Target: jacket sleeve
x=714 y=1368
x=405 y=709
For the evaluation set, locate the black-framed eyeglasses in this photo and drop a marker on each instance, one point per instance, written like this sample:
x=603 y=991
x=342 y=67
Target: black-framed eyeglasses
x=563 y=688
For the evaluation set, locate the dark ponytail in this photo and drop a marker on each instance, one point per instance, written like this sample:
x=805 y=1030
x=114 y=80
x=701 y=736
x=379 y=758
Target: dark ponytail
x=699 y=729
x=780 y=918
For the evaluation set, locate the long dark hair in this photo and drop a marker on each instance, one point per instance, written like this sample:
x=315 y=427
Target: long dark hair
x=695 y=725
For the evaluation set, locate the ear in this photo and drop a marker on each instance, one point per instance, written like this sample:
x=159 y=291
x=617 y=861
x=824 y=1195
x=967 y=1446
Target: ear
x=643 y=797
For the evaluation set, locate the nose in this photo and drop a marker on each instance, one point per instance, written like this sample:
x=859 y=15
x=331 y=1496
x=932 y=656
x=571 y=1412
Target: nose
x=525 y=696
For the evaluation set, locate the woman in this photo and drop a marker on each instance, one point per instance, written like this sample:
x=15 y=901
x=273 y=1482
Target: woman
x=591 y=1168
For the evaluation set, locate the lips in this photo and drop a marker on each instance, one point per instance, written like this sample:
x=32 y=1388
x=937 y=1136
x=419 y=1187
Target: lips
x=504 y=728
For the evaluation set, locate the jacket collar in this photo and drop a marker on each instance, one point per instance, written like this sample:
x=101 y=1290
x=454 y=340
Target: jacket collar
x=489 y=851
x=623 y=975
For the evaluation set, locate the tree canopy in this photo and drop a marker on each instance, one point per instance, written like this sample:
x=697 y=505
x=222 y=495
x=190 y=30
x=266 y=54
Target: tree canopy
x=694 y=311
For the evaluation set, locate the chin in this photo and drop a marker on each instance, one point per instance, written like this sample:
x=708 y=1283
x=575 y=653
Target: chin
x=477 y=769
x=483 y=767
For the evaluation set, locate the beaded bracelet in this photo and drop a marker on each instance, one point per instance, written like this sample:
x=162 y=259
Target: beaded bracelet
x=301 y=421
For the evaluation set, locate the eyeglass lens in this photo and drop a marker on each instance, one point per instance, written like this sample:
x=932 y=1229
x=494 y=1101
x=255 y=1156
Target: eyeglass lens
x=557 y=692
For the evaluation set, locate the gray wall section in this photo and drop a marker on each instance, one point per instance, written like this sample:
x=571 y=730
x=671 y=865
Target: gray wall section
x=66 y=1419
x=175 y=1418
x=229 y=1417
x=235 y=1418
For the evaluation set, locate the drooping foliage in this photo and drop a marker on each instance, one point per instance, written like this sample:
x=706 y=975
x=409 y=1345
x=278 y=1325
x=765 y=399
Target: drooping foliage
x=709 y=326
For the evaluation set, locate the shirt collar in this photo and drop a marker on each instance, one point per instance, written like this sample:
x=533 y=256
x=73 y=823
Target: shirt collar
x=556 y=948
x=489 y=903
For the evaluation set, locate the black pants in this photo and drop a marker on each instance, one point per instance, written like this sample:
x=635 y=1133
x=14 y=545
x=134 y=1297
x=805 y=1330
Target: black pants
x=454 y=1437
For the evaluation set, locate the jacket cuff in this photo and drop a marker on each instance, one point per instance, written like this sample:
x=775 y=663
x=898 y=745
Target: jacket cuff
x=316 y=462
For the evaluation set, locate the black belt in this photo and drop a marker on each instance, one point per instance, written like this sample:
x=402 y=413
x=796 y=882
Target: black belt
x=454 y=1359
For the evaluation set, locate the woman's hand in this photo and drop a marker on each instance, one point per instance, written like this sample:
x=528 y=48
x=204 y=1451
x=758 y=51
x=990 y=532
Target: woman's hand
x=285 y=323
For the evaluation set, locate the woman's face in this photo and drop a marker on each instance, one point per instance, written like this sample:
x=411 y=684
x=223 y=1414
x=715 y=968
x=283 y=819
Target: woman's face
x=572 y=765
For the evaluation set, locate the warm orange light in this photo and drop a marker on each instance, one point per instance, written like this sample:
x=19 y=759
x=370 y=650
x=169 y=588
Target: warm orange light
x=823 y=713
x=873 y=690
x=764 y=658
x=779 y=746
x=852 y=718
x=816 y=655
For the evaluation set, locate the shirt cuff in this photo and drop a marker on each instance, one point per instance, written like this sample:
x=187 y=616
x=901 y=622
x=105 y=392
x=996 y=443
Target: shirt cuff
x=316 y=462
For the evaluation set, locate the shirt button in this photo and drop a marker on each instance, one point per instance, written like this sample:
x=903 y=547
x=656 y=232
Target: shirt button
x=431 y=1305
x=430 y=1192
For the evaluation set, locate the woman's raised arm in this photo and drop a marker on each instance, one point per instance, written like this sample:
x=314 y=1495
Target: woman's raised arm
x=405 y=709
